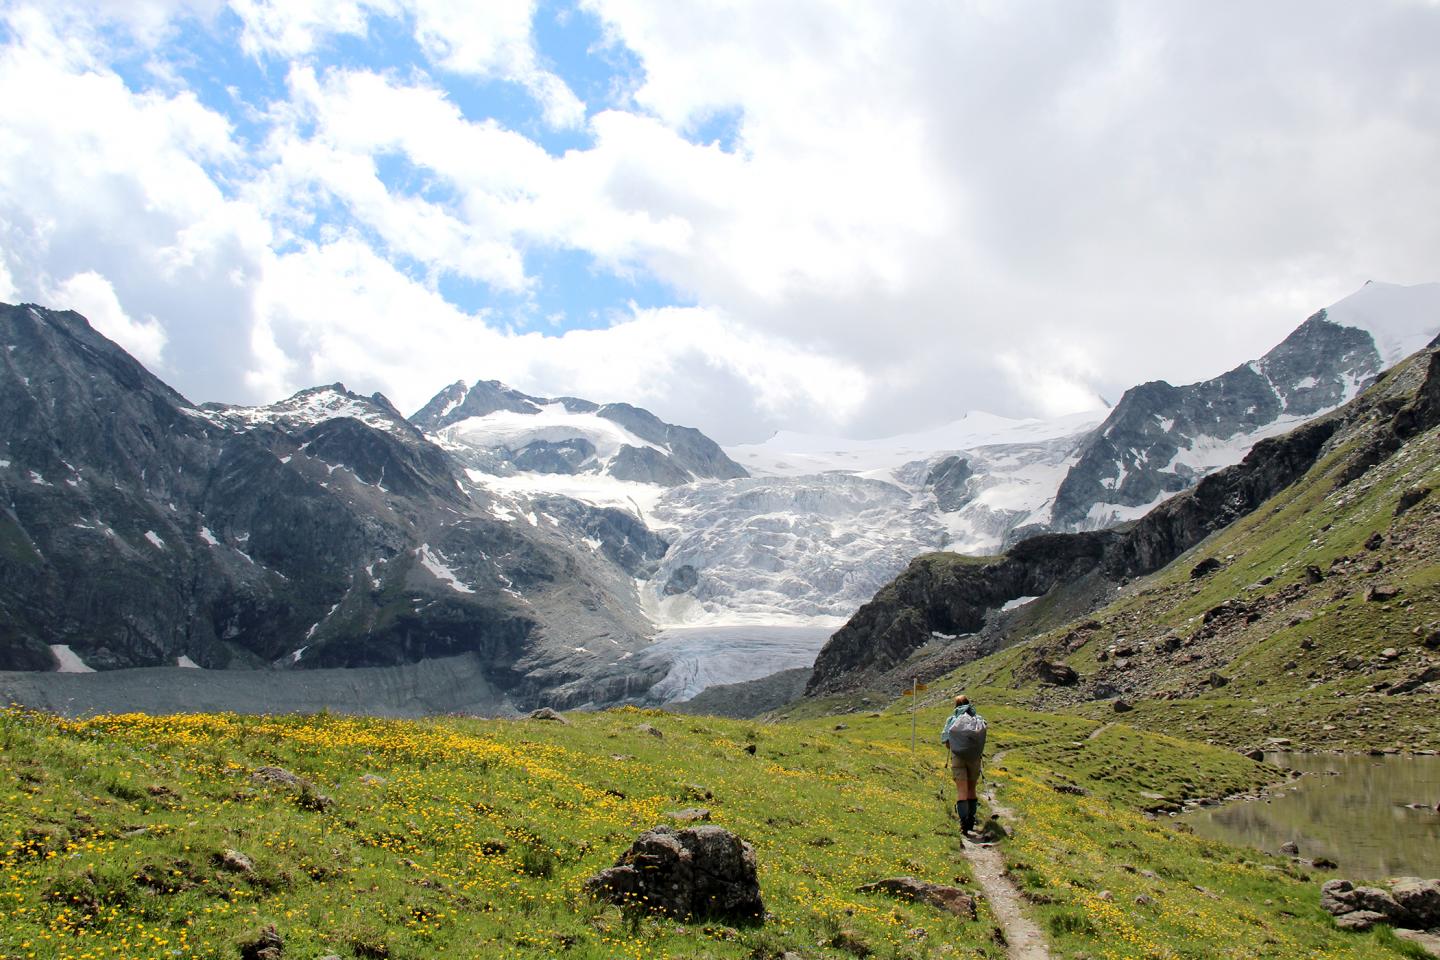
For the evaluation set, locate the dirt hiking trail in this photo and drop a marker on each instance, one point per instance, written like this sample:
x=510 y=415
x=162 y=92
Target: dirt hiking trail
x=1023 y=939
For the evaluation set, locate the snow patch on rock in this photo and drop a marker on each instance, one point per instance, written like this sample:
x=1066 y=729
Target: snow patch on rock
x=432 y=561
x=69 y=660
x=1399 y=319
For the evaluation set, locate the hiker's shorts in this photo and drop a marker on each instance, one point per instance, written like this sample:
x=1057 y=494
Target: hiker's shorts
x=965 y=766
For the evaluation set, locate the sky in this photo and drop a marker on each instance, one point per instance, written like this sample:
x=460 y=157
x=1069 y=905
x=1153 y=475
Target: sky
x=840 y=217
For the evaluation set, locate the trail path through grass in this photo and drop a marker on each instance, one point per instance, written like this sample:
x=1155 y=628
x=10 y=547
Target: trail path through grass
x=1023 y=938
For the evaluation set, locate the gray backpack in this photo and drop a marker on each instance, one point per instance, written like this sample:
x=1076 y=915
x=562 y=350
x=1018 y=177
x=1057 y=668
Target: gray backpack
x=966 y=734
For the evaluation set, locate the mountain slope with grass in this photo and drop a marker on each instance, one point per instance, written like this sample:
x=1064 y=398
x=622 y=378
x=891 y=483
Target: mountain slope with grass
x=190 y=836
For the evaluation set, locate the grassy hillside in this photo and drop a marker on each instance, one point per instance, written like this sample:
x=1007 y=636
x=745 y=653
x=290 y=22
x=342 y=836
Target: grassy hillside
x=467 y=838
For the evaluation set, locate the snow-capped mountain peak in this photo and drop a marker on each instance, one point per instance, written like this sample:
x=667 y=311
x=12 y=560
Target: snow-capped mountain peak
x=316 y=405
x=1400 y=319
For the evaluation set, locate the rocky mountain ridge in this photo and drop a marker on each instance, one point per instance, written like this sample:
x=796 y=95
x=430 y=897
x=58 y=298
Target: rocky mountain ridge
x=139 y=529
x=547 y=536
x=945 y=595
x=503 y=431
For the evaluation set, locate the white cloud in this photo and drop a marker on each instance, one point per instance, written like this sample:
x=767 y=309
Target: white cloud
x=493 y=39
x=292 y=28
x=489 y=39
x=94 y=297
x=8 y=290
x=340 y=312
x=107 y=195
x=924 y=209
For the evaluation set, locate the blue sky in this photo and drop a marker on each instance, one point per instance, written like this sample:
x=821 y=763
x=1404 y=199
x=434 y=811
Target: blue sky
x=570 y=289
x=854 y=217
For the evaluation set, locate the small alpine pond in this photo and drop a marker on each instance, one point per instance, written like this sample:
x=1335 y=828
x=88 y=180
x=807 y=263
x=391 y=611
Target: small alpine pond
x=1374 y=816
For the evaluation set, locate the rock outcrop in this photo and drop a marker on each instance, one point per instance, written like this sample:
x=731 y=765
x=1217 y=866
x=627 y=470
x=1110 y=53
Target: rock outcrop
x=702 y=872
x=1159 y=439
x=1410 y=902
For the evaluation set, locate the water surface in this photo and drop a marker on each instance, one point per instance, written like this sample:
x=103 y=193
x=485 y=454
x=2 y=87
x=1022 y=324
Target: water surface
x=1351 y=809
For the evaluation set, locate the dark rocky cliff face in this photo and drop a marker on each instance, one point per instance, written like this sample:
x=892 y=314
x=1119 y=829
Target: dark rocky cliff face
x=1151 y=443
x=948 y=594
x=325 y=530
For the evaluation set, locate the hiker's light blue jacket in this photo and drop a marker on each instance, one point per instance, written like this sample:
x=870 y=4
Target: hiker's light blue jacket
x=959 y=712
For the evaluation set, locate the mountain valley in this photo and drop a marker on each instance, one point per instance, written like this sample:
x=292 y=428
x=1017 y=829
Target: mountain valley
x=553 y=541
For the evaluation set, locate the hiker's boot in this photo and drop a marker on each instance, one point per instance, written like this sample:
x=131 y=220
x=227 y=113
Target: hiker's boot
x=967 y=816
x=960 y=810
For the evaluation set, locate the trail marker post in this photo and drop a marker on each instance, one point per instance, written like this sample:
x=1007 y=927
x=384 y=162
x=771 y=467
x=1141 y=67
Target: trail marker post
x=914 y=696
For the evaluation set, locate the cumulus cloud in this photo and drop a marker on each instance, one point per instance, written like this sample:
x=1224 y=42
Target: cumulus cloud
x=870 y=216
x=331 y=312
x=94 y=297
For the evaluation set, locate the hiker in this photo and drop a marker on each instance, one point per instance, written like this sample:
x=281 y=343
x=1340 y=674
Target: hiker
x=964 y=734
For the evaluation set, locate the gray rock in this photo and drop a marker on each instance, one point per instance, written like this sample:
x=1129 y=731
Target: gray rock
x=650 y=731
x=1410 y=497
x=1420 y=898
x=1359 y=920
x=690 y=814
x=951 y=899
x=1341 y=897
x=1290 y=848
x=545 y=713
x=647 y=465
x=281 y=777
x=1425 y=940
x=702 y=872
x=269 y=945
x=949 y=479
x=236 y=862
x=1056 y=672
x=683 y=579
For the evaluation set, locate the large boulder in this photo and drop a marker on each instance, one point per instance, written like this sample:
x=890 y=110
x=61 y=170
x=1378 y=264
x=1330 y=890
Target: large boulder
x=1359 y=908
x=1057 y=673
x=702 y=872
x=1420 y=898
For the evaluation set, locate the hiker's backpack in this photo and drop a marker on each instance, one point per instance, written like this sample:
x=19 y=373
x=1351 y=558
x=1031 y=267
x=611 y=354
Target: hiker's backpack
x=966 y=733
